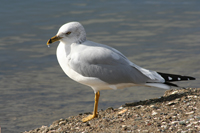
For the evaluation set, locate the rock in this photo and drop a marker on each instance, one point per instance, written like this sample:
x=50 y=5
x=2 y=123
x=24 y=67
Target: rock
x=87 y=124
x=154 y=107
x=123 y=111
x=145 y=131
x=195 y=122
x=172 y=103
x=164 y=126
x=62 y=122
x=138 y=118
x=174 y=122
x=124 y=127
x=135 y=127
x=44 y=129
x=189 y=113
x=182 y=122
x=189 y=125
x=197 y=117
x=154 y=113
x=174 y=92
x=120 y=107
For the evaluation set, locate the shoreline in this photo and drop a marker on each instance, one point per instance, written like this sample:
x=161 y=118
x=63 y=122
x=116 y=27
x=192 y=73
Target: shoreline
x=176 y=111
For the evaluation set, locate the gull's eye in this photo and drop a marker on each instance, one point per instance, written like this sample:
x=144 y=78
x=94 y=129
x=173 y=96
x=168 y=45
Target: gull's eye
x=68 y=33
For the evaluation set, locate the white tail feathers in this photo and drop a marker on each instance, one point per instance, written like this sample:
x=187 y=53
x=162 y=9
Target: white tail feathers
x=158 y=85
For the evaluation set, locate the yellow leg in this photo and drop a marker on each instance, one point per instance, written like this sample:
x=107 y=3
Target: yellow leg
x=96 y=101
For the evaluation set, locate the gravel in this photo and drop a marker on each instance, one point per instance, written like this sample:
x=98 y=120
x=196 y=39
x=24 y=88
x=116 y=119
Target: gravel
x=176 y=111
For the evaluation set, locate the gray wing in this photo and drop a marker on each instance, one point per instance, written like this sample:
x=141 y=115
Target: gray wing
x=105 y=63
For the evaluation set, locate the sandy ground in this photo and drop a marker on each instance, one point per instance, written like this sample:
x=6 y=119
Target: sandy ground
x=176 y=111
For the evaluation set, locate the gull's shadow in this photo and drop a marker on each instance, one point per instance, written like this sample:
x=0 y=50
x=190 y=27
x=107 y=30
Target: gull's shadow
x=168 y=97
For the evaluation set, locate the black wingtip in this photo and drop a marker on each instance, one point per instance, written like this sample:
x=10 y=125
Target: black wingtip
x=174 y=77
x=192 y=78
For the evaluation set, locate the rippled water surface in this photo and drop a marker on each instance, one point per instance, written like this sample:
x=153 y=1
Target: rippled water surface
x=157 y=35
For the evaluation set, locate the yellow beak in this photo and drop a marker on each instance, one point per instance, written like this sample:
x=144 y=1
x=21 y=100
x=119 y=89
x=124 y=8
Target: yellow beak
x=53 y=39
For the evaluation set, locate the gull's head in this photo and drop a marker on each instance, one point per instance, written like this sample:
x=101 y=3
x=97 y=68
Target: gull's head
x=69 y=33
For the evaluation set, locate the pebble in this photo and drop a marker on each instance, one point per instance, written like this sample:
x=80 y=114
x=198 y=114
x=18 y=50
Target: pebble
x=197 y=126
x=178 y=99
x=138 y=107
x=145 y=131
x=154 y=113
x=148 y=124
x=197 y=117
x=154 y=107
x=87 y=124
x=195 y=122
x=171 y=103
x=174 y=117
x=174 y=122
x=189 y=113
x=138 y=118
x=135 y=127
x=125 y=127
x=62 y=122
x=76 y=128
x=182 y=122
x=174 y=92
x=120 y=107
x=195 y=97
x=44 y=129
x=123 y=111
x=189 y=125
x=190 y=96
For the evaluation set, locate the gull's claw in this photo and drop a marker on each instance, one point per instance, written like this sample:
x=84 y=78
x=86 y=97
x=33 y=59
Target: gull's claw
x=88 y=118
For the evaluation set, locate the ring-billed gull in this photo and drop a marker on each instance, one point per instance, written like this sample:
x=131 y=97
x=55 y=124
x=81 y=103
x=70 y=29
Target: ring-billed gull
x=102 y=67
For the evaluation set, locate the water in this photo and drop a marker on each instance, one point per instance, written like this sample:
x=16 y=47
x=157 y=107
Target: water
x=157 y=35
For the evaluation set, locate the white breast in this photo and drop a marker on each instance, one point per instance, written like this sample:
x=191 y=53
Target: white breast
x=64 y=59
